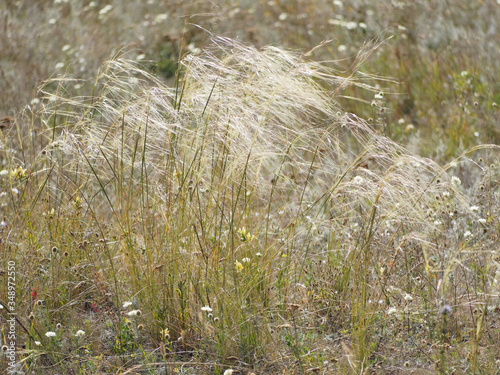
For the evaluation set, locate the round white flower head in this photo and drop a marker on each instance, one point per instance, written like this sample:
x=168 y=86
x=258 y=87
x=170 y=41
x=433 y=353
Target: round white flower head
x=358 y=180
x=206 y=308
x=50 y=334
x=134 y=313
x=38 y=343
x=79 y=333
x=127 y=304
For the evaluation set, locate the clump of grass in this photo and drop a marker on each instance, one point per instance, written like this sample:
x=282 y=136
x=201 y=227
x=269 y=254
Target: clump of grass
x=238 y=211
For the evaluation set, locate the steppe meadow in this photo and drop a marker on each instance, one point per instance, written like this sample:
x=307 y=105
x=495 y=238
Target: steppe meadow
x=249 y=187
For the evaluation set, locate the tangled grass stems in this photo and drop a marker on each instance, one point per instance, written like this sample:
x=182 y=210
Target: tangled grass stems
x=249 y=197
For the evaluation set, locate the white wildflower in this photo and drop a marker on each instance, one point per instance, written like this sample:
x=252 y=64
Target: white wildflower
x=206 y=308
x=283 y=16
x=408 y=297
x=409 y=128
x=50 y=334
x=351 y=25
x=160 y=18
x=127 y=304
x=105 y=10
x=456 y=181
x=358 y=180
x=79 y=333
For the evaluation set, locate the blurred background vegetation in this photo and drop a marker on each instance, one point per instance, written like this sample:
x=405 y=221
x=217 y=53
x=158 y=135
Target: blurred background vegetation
x=440 y=59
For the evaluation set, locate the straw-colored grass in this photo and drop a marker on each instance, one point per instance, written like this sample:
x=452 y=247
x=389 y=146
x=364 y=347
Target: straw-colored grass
x=203 y=205
x=238 y=220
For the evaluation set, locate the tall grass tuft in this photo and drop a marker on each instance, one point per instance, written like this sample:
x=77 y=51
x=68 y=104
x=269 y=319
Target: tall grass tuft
x=238 y=211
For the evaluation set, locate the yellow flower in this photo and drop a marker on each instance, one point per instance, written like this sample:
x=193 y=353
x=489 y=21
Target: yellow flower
x=243 y=234
x=238 y=266
x=19 y=172
x=77 y=203
x=165 y=333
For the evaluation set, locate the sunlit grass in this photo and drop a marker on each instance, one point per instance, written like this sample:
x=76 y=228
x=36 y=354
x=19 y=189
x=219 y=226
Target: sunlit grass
x=239 y=217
